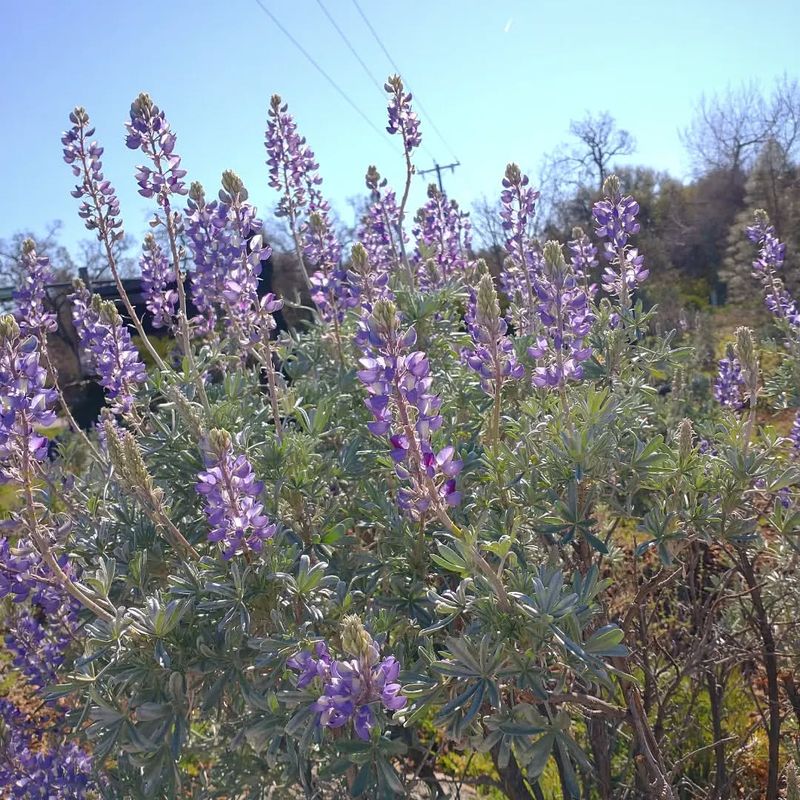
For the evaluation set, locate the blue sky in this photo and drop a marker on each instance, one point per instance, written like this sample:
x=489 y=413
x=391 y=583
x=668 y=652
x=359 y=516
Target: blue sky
x=501 y=78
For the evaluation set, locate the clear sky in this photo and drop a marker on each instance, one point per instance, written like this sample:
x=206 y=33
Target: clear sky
x=501 y=79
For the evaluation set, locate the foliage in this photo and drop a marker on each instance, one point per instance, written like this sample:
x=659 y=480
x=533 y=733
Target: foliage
x=417 y=545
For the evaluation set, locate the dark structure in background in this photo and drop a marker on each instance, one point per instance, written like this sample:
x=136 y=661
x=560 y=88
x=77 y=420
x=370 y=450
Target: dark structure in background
x=82 y=392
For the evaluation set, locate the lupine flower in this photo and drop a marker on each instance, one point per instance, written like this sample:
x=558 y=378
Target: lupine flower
x=766 y=267
x=379 y=231
x=157 y=275
x=352 y=688
x=369 y=284
x=493 y=357
x=230 y=492
x=111 y=352
x=250 y=318
x=583 y=257
x=729 y=383
x=31 y=770
x=207 y=235
x=99 y=204
x=331 y=289
x=149 y=131
x=615 y=217
x=312 y=666
x=398 y=382
x=290 y=160
x=519 y=274
x=402 y=119
x=443 y=234
x=25 y=401
x=566 y=320
x=794 y=435
x=31 y=313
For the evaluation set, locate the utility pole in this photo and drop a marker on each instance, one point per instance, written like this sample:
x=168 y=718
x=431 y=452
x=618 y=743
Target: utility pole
x=438 y=170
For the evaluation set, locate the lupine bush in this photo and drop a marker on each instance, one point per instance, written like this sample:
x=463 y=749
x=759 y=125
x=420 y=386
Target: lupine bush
x=442 y=538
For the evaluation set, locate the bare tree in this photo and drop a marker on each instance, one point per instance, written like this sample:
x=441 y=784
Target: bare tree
x=730 y=129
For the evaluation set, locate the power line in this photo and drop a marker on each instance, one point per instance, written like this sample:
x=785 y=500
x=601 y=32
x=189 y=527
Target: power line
x=325 y=75
x=378 y=85
x=352 y=49
x=399 y=72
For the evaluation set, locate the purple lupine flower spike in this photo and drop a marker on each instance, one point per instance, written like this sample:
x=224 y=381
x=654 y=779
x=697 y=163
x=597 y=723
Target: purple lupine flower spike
x=353 y=688
x=493 y=356
x=402 y=119
x=230 y=492
x=149 y=131
x=398 y=382
x=766 y=267
x=32 y=312
x=615 y=218
x=99 y=204
x=583 y=257
x=107 y=343
x=25 y=401
x=249 y=317
x=519 y=274
x=566 y=319
x=379 y=230
x=443 y=235
x=157 y=275
x=729 y=384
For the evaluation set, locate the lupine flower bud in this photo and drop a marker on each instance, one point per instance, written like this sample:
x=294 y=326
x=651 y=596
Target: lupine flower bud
x=685 y=436
x=369 y=283
x=748 y=358
x=355 y=639
x=379 y=230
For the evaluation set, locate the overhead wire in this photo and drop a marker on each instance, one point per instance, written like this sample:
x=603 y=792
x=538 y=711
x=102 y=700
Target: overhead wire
x=399 y=72
x=378 y=85
x=382 y=134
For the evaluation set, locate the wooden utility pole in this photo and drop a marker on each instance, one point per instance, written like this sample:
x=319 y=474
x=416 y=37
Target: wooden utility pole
x=437 y=168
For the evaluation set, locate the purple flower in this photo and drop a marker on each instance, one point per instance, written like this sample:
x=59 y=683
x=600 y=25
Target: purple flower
x=290 y=160
x=157 y=275
x=207 y=234
x=379 y=230
x=311 y=666
x=31 y=770
x=729 y=384
x=31 y=299
x=519 y=274
x=443 y=234
x=25 y=400
x=149 y=131
x=615 y=218
x=230 y=493
x=493 y=356
x=99 y=204
x=369 y=284
x=398 y=382
x=402 y=119
x=566 y=320
x=794 y=435
x=107 y=342
x=583 y=257
x=250 y=318
x=355 y=688
x=766 y=267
